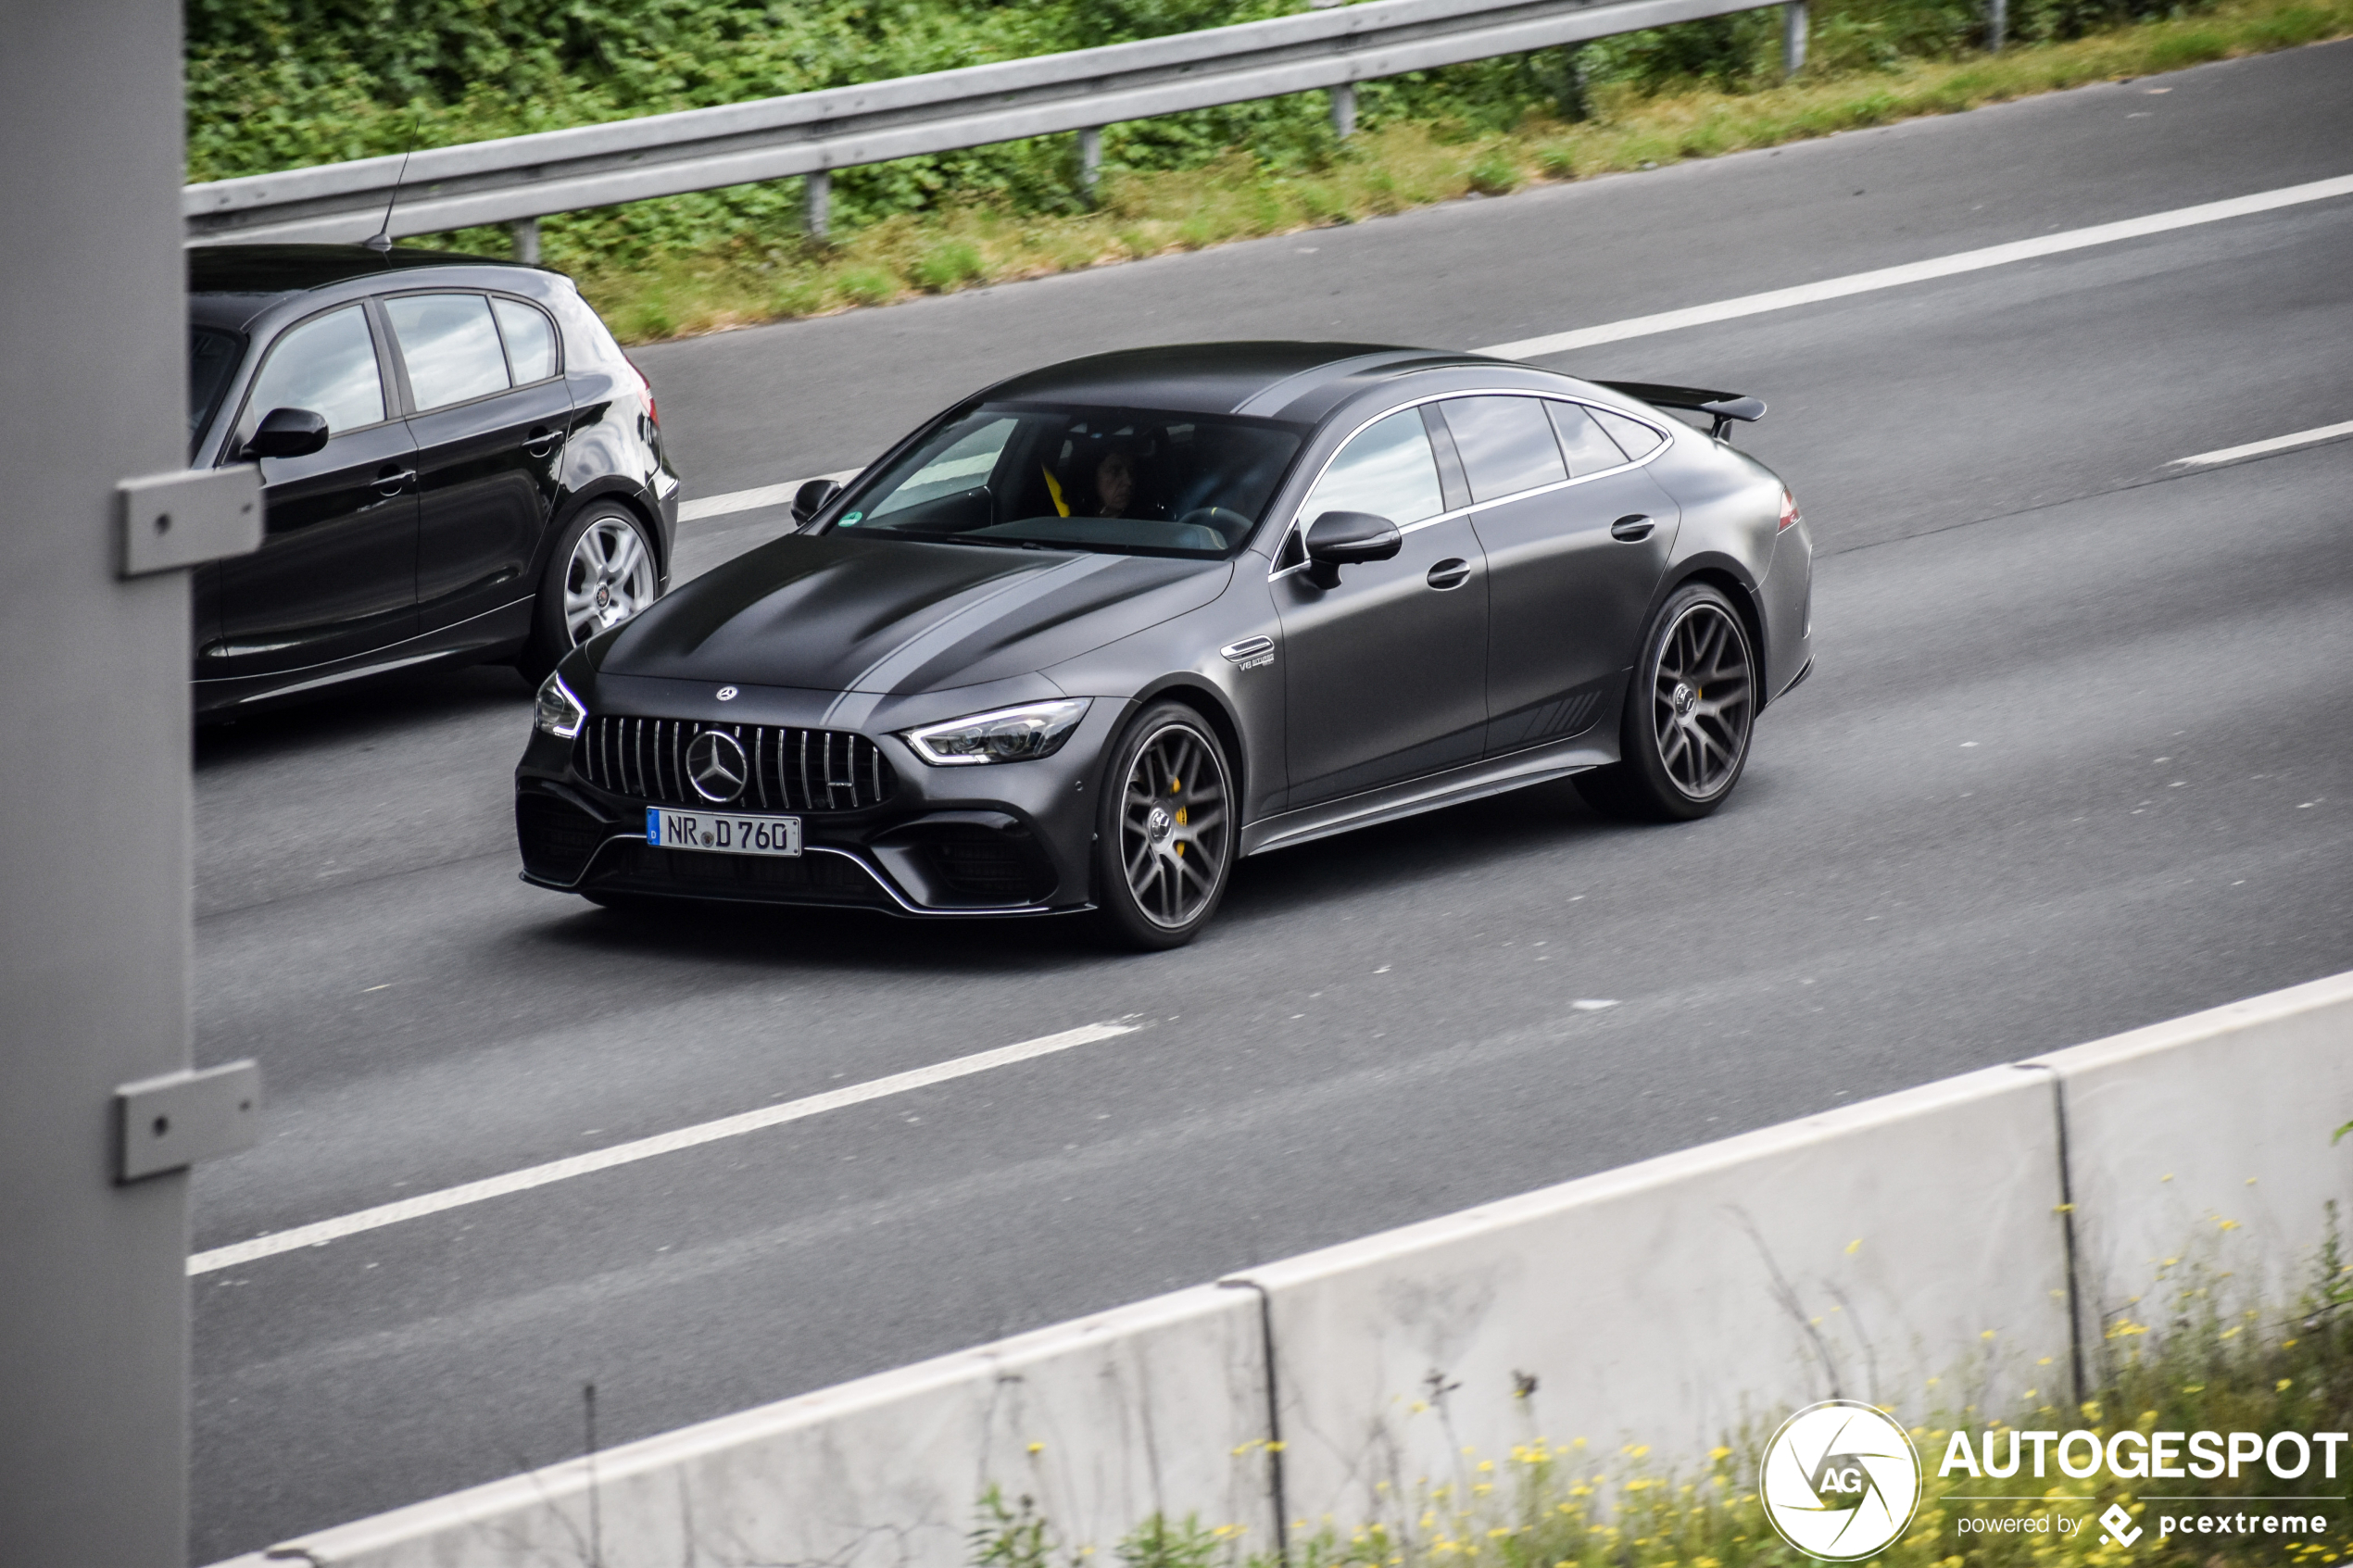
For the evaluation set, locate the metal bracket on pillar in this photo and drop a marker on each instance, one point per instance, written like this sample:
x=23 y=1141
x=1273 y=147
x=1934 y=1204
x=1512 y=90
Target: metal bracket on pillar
x=1793 y=30
x=816 y=201
x=1998 y=23
x=170 y=1123
x=1344 y=111
x=526 y=231
x=1091 y=160
x=169 y=520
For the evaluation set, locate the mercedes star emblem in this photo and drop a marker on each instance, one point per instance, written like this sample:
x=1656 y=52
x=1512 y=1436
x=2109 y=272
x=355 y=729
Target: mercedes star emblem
x=715 y=766
x=727 y=694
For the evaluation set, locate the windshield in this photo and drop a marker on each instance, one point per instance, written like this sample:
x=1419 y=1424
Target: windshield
x=1124 y=480
x=212 y=358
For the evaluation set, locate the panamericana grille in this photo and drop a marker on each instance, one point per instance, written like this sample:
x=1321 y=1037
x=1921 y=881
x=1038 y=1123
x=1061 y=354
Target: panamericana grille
x=791 y=769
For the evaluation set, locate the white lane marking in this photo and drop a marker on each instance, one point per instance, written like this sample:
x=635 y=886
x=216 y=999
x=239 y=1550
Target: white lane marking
x=2277 y=443
x=1920 y=271
x=752 y=499
x=325 y=1231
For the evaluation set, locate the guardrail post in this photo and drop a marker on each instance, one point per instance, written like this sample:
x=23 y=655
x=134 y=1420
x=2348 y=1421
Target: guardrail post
x=816 y=201
x=1793 y=30
x=1091 y=160
x=1998 y=23
x=526 y=231
x=1344 y=111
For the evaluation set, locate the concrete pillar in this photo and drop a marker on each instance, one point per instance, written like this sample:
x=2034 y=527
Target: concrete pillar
x=1091 y=160
x=1344 y=111
x=526 y=237
x=1998 y=23
x=94 y=903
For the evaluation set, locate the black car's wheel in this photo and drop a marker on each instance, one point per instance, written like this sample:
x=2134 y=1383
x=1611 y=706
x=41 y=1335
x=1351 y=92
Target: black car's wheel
x=1164 y=832
x=1684 y=737
x=601 y=572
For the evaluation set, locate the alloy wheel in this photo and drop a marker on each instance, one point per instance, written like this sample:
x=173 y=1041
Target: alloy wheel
x=1173 y=825
x=1702 y=700
x=609 y=579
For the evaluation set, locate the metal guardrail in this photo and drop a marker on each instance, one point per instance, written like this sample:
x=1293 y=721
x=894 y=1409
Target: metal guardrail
x=519 y=179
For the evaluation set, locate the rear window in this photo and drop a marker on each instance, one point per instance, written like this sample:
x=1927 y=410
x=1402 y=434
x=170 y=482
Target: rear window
x=1120 y=480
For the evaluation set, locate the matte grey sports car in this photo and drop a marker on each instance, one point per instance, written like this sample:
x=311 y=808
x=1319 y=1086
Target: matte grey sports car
x=1086 y=639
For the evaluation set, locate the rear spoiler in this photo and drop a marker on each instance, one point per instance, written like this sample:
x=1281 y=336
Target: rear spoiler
x=1722 y=407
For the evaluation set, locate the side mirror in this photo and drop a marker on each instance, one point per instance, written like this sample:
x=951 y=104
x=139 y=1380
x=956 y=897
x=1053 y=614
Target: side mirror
x=1338 y=539
x=812 y=498
x=287 y=433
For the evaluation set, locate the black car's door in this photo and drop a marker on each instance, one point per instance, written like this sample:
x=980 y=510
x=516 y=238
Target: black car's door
x=489 y=412
x=337 y=573
x=1385 y=673
x=1576 y=538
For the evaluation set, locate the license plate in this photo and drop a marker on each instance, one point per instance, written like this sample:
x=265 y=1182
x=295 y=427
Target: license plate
x=722 y=835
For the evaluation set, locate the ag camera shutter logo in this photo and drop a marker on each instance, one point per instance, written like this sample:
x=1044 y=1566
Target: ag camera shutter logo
x=1840 y=1480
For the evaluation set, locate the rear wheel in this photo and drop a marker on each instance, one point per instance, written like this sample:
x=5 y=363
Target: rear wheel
x=1165 y=830
x=1684 y=737
x=602 y=572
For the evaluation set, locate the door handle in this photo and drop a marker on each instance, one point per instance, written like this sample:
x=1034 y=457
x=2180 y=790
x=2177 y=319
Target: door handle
x=391 y=481
x=1451 y=573
x=540 y=442
x=1633 y=529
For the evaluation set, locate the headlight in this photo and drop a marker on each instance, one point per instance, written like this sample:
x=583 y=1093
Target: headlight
x=1010 y=735
x=558 y=713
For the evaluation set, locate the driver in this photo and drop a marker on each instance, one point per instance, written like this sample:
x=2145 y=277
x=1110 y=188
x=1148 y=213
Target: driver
x=1117 y=484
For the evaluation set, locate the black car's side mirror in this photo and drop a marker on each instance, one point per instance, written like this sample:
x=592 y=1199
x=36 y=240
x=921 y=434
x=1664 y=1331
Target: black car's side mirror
x=287 y=433
x=812 y=498
x=1338 y=539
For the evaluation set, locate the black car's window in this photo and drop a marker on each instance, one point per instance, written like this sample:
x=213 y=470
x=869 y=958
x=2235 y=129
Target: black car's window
x=450 y=346
x=1126 y=481
x=327 y=365
x=1584 y=442
x=529 y=337
x=1633 y=434
x=212 y=359
x=1506 y=445
x=1386 y=469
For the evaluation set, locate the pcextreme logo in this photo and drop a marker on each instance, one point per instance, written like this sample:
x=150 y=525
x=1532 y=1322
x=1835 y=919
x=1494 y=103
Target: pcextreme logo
x=1840 y=1480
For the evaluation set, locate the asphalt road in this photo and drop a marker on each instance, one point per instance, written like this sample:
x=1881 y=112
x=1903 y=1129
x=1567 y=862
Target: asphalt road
x=2074 y=760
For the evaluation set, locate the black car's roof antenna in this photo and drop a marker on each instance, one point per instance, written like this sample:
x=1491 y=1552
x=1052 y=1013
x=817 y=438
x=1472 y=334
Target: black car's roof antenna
x=381 y=241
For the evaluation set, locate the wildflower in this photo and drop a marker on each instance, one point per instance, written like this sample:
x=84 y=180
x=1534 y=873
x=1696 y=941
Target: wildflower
x=2281 y=1387
x=1719 y=1452
x=1036 y=1448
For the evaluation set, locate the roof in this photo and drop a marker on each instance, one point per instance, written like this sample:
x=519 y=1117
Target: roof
x=274 y=269
x=1260 y=379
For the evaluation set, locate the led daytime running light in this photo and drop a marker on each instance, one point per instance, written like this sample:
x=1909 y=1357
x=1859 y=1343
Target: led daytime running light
x=1007 y=735
x=558 y=713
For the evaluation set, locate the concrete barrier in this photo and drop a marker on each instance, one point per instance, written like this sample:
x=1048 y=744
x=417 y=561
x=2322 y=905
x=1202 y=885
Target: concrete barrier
x=1859 y=1254
x=1155 y=1408
x=1953 y=1244
x=2202 y=1147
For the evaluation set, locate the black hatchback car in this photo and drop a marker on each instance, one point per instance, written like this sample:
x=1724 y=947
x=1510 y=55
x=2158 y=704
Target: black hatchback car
x=1088 y=637
x=458 y=462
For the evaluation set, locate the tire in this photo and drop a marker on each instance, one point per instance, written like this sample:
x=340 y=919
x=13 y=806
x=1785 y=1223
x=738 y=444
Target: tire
x=1690 y=710
x=1165 y=830
x=601 y=572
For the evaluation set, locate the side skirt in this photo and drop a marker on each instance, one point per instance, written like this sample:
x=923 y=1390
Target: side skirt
x=1495 y=775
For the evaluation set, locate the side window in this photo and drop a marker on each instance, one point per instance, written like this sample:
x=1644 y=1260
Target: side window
x=531 y=340
x=1633 y=434
x=965 y=464
x=327 y=365
x=1506 y=444
x=1386 y=469
x=450 y=346
x=1584 y=442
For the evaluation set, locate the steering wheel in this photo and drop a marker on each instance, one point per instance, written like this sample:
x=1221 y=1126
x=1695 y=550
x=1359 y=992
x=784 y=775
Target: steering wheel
x=1229 y=525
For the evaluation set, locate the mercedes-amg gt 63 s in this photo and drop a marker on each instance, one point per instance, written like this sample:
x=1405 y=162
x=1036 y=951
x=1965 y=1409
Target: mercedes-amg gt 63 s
x=457 y=463
x=1088 y=637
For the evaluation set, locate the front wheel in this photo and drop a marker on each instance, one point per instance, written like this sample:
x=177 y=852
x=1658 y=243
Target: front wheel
x=1164 y=833
x=1684 y=736
x=601 y=573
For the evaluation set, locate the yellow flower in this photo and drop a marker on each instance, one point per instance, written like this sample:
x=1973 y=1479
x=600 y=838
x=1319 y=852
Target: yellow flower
x=1036 y=1448
x=2281 y=1387
x=1636 y=1451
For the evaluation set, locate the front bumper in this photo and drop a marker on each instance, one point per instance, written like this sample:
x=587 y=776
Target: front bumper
x=994 y=839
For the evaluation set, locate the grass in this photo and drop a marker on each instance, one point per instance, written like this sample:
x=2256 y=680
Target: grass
x=752 y=280
x=2205 y=1367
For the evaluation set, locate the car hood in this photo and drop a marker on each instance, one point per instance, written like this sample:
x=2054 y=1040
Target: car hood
x=836 y=613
